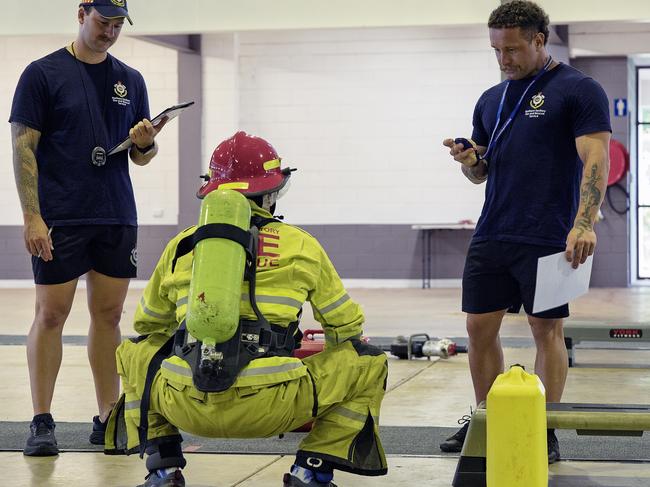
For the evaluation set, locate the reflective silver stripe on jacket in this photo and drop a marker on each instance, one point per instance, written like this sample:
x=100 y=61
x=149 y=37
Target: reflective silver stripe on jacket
x=177 y=369
x=274 y=369
x=131 y=405
x=153 y=314
x=348 y=413
x=181 y=302
x=264 y=298
x=335 y=304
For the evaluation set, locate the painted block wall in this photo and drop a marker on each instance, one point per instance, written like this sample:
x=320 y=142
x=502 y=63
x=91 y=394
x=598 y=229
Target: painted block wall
x=247 y=83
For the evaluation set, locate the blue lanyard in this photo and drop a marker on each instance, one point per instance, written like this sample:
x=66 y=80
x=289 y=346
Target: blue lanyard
x=493 y=139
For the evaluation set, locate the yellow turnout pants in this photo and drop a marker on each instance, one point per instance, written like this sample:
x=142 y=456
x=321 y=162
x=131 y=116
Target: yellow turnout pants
x=341 y=392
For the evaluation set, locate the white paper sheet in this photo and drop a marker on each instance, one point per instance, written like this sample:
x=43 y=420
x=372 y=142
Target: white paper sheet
x=558 y=282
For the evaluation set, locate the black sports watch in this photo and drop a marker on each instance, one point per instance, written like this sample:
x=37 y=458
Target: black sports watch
x=144 y=150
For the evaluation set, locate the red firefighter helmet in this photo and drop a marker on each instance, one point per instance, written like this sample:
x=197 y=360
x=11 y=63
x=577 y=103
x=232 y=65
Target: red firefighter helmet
x=247 y=164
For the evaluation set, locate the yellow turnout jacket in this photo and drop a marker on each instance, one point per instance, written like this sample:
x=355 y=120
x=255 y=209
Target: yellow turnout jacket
x=292 y=268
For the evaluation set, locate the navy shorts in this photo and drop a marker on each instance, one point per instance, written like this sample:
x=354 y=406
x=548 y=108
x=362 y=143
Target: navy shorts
x=107 y=249
x=501 y=275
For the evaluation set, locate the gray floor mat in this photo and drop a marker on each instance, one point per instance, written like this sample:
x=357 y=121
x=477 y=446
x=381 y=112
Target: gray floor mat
x=397 y=440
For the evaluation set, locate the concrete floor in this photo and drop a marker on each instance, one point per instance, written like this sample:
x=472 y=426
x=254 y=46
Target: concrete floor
x=420 y=393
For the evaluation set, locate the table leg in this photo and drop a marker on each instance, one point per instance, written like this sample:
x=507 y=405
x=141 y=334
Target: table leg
x=424 y=257
x=427 y=282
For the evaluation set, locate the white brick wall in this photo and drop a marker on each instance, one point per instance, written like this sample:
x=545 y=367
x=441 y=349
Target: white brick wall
x=220 y=87
x=360 y=112
x=155 y=185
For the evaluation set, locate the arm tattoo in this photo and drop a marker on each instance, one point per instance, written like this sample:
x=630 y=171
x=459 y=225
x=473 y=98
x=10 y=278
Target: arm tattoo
x=590 y=199
x=471 y=173
x=24 y=141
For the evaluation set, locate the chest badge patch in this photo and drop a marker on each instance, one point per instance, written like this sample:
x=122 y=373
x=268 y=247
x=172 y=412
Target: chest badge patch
x=120 y=89
x=536 y=110
x=537 y=101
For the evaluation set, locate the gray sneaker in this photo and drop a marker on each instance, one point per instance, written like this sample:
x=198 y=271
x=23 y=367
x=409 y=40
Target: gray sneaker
x=41 y=441
x=291 y=481
x=173 y=479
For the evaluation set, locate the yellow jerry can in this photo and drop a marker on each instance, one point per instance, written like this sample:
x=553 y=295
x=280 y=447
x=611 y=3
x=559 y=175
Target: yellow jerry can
x=516 y=431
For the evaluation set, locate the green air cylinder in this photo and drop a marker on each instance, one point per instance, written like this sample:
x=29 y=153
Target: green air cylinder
x=218 y=270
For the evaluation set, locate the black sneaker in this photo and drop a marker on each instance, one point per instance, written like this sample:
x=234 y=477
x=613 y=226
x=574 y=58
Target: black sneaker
x=157 y=479
x=99 y=430
x=41 y=441
x=454 y=444
x=553 y=446
x=290 y=481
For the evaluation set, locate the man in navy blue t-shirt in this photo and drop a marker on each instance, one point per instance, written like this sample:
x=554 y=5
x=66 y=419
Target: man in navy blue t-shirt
x=540 y=140
x=69 y=109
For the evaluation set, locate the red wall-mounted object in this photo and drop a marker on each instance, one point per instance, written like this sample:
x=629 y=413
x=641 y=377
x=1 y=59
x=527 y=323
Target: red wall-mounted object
x=619 y=162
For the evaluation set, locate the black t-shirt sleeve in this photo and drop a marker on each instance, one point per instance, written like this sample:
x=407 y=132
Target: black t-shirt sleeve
x=143 y=107
x=590 y=111
x=479 y=133
x=30 y=101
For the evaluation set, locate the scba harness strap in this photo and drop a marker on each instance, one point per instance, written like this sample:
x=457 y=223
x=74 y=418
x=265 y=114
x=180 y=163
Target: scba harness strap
x=216 y=230
x=253 y=339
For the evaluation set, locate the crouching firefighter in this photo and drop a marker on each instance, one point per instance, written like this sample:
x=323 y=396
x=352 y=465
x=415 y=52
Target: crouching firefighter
x=218 y=323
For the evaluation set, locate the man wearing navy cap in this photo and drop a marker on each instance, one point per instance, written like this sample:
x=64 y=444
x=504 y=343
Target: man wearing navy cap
x=70 y=107
x=110 y=9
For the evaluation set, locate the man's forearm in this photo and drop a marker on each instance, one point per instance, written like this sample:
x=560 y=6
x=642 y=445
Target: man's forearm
x=476 y=174
x=592 y=192
x=24 y=141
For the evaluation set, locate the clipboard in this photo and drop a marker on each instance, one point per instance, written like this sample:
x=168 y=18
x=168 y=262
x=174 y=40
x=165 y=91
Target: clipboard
x=171 y=112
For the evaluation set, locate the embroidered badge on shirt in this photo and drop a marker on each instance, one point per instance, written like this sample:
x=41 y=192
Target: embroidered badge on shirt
x=535 y=103
x=120 y=90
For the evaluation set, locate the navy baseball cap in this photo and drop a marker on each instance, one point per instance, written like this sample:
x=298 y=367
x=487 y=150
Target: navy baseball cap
x=111 y=9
